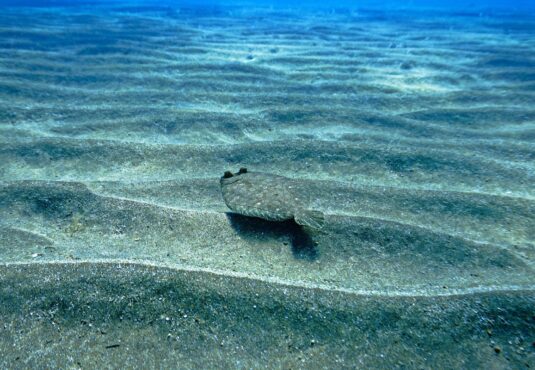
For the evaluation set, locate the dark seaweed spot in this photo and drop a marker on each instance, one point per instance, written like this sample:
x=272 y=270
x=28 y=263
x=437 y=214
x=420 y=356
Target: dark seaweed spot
x=48 y=205
x=406 y=66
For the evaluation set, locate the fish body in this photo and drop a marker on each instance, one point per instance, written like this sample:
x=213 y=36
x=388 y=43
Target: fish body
x=267 y=196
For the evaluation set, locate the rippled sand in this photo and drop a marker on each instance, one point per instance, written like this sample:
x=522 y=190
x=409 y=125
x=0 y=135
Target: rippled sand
x=414 y=132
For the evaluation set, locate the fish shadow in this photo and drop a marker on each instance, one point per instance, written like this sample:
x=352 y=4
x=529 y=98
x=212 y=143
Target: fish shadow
x=253 y=228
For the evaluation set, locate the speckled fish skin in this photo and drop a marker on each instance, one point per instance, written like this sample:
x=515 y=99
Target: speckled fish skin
x=263 y=195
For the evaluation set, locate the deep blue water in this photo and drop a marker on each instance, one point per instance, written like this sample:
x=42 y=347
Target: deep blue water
x=469 y=6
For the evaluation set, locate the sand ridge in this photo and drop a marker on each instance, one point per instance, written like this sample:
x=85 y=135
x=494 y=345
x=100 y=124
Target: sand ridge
x=411 y=130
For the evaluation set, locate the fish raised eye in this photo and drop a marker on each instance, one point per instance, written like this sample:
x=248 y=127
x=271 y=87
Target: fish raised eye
x=227 y=174
x=242 y=170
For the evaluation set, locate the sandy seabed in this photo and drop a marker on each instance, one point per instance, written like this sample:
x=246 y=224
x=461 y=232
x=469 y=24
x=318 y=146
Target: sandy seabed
x=412 y=131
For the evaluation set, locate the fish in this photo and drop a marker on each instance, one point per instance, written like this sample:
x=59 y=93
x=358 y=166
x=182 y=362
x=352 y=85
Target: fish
x=267 y=196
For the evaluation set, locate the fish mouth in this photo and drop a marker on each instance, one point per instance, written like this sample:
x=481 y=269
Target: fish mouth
x=229 y=180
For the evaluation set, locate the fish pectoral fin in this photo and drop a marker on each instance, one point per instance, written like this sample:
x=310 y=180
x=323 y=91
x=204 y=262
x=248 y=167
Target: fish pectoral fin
x=312 y=219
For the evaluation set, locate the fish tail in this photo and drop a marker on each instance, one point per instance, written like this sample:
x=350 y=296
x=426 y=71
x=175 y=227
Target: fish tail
x=312 y=219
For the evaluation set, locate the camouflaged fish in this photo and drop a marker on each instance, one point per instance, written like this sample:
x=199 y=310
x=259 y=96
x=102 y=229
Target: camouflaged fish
x=267 y=196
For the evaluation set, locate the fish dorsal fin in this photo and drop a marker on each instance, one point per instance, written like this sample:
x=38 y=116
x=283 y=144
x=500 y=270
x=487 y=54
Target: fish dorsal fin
x=312 y=219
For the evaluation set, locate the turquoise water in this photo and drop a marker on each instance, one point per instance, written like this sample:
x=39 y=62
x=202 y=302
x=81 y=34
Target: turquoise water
x=411 y=127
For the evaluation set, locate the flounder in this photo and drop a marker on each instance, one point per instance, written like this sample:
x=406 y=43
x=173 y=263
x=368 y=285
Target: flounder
x=267 y=196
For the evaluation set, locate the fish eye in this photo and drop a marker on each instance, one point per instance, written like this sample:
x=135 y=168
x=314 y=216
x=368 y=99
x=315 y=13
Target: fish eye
x=242 y=170
x=227 y=175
